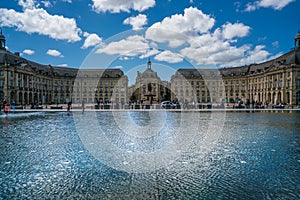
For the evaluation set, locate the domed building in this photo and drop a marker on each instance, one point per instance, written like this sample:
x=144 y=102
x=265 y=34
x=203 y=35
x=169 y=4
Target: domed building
x=272 y=83
x=149 y=88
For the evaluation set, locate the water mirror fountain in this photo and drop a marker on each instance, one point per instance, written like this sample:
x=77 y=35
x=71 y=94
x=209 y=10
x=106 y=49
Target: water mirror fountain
x=50 y=155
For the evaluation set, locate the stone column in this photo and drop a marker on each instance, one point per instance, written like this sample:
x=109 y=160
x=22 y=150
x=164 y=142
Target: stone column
x=272 y=97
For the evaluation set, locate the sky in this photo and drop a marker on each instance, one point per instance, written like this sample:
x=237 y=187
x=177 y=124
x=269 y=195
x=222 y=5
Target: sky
x=174 y=34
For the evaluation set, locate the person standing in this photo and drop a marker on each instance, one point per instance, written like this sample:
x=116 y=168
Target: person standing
x=13 y=106
x=69 y=107
x=83 y=106
x=6 y=108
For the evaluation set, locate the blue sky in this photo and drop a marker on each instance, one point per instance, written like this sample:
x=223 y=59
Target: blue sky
x=173 y=33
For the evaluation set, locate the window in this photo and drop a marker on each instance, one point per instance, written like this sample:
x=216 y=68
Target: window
x=1 y=73
x=298 y=84
x=298 y=97
x=280 y=83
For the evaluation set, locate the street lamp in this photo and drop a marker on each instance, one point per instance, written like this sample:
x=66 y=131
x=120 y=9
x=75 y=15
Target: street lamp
x=7 y=77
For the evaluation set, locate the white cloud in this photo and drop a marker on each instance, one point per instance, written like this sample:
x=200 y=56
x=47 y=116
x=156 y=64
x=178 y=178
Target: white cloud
x=149 y=53
x=52 y=52
x=176 y=28
x=125 y=58
x=251 y=7
x=169 y=57
x=131 y=46
x=275 y=44
x=63 y=65
x=91 y=40
x=190 y=36
x=28 y=52
x=258 y=54
x=37 y=20
x=118 y=67
x=214 y=49
x=116 y=6
x=136 y=22
x=202 y=45
x=47 y=4
x=275 y=4
x=213 y=52
x=275 y=56
x=27 y=4
x=68 y=1
x=235 y=30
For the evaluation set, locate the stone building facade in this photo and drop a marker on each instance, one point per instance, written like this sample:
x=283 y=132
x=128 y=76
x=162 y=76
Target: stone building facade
x=160 y=90
x=27 y=82
x=100 y=86
x=271 y=82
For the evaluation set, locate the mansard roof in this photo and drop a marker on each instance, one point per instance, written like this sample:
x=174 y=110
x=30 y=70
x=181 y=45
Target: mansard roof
x=100 y=73
x=10 y=58
x=290 y=58
x=148 y=73
x=64 y=71
x=234 y=71
x=188 y=73
x=211 y=73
